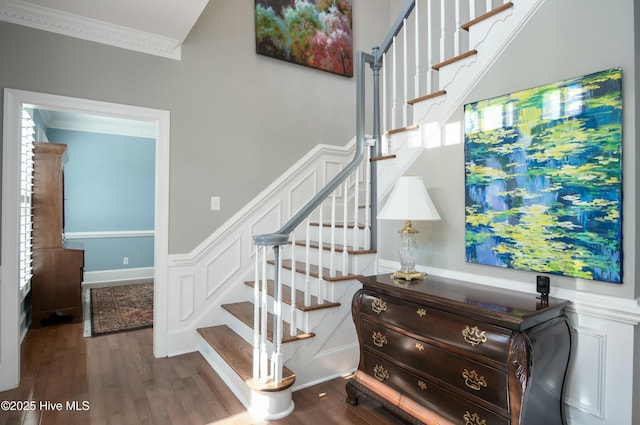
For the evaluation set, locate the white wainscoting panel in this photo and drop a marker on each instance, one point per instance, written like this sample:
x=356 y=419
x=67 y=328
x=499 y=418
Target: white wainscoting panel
x=187 y=300
x=223 y=266
x=302 y=192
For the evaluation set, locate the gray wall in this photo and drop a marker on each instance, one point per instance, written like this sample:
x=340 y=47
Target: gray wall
x=238 y=120
x=565 y=39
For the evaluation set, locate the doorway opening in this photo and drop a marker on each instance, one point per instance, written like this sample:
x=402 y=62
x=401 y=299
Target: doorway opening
x=10 y=297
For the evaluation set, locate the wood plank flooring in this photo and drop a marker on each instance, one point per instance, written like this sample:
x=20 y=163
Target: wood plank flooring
x=115 y=379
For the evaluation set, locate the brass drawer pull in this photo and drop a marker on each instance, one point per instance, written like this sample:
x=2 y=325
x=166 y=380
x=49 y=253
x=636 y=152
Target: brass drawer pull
x=473 y=380
x=419 y=346
x=474 y=336
x=380 y=373
x=422 y=385
x=473 y=419
x=379 y=340
x=422 y=312
x=378 y=306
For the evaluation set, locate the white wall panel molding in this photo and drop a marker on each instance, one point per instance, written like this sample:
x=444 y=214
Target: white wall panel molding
x=585 y=384
x=187 y=297
x=223 y=266
x=331 y=169
x=301 y=192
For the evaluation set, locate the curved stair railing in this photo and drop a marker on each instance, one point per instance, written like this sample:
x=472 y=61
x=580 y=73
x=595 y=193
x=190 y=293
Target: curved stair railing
x=428 y=34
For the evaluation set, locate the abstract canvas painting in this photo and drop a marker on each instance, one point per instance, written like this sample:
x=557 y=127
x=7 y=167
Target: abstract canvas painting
x=313 y=33
x=543 y=187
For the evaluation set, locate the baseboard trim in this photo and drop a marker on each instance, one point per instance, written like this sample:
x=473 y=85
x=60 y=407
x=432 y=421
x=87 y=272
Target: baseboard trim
x=102 y=276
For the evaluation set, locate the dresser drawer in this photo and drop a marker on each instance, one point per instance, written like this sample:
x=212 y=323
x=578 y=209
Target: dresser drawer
x=472 y=377
x=456 y=409
x=473 y=336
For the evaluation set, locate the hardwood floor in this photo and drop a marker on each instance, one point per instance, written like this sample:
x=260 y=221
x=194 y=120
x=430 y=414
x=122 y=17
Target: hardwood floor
x=115 y=379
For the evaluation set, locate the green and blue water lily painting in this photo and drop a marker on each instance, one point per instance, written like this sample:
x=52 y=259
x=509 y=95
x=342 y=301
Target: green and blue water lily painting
x=544 y=179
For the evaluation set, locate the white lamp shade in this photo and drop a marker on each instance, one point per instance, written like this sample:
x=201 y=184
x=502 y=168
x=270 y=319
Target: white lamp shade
x=409 y=200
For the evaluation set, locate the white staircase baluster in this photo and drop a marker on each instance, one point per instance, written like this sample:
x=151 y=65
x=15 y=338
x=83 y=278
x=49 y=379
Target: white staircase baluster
x=457 y=37
x=385 y=94
x=345 y=224
x=394 y=85
x=367 y=201
x=332 y=248
x=320 y=265
x=292 y=316
x=417 y=77
x=307 y=271
x=431 y=37
x=472 y=10
x=405 y=75
x=356 y=201
x=443 y=31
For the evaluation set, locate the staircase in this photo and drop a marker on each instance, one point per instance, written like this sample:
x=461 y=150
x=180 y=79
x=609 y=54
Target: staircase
x=289 y=325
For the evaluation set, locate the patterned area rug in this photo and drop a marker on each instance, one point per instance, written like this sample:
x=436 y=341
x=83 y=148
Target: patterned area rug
x=121 y=308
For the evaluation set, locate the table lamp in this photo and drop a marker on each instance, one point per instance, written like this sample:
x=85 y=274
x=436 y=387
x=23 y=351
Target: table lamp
x=408 y=201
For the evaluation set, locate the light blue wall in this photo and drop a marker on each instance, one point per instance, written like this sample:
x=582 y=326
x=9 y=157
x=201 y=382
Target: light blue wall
x=109 y=187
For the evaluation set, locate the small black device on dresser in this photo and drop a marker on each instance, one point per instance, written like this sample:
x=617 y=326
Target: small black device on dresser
x=444 y=351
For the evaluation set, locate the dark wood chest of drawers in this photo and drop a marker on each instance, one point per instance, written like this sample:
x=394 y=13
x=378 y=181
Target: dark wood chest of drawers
x=443 y=351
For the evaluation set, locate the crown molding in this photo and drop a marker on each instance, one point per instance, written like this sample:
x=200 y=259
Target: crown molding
x=46 y=19
x=97 y=124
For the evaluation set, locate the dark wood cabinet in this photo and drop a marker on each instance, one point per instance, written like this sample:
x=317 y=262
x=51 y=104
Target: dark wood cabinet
x=443 y=351
x=56 y=285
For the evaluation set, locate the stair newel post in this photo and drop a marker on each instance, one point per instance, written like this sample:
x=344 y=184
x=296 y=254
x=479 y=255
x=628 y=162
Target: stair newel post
x=264 y=355
x=256 y=309
x=276 y=355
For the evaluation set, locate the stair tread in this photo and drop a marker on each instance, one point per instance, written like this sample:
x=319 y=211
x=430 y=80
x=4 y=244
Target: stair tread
x=427 y=97
x=381 y=158
x=286 y=297
x=238 y=354
x=338 y=247
x=454 y=59
x=313 y=271
x=244 y=312
x=487 y=15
